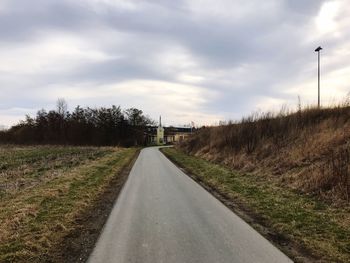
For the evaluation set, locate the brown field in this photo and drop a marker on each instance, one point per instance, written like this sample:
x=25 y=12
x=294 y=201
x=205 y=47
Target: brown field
x=44 y=189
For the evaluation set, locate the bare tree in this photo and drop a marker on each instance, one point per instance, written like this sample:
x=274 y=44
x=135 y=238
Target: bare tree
x=62 y=107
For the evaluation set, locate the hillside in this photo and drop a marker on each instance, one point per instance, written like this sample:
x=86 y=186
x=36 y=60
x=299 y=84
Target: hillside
x=307 y=150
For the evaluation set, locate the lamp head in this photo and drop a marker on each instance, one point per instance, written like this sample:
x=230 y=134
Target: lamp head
x=318 y=49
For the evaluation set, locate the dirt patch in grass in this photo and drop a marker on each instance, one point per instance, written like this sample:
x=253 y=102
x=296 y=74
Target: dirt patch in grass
x=303 y=227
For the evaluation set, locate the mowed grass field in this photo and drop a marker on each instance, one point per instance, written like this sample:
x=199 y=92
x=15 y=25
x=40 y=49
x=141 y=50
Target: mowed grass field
x=43 y=189
x=293 y=220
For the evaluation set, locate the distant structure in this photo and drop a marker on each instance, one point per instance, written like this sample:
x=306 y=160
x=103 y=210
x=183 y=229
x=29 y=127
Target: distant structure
x=159 y=135
x=160 y=132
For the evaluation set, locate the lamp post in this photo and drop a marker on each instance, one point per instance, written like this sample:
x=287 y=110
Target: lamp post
x=318 y=53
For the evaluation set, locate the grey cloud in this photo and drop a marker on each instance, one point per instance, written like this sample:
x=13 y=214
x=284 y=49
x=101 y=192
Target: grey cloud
x=23 y=20
x=273 y=43
x=310 y=7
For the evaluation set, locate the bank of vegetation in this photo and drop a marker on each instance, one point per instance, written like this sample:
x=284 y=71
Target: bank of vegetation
x=290 y=169
x=304 y=227
x=307 y=150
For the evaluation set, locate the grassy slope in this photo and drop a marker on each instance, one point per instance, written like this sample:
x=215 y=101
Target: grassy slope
x=43 y=189
x=319 y=227
x=307 y=150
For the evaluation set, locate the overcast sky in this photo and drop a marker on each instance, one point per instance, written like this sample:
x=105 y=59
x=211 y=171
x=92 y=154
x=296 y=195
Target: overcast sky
x=195 y=60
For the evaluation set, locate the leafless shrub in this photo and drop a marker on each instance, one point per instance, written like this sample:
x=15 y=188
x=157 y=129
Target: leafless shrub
x=251 y=131
x=284 y=141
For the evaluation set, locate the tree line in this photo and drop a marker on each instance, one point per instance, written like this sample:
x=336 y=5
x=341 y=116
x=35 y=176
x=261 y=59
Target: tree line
x=83 y=126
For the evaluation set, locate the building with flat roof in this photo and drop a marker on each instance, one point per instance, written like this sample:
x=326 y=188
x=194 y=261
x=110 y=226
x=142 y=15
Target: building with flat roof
x=159 y=135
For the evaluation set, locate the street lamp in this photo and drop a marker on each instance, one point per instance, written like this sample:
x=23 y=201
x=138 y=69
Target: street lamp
x=318 y=53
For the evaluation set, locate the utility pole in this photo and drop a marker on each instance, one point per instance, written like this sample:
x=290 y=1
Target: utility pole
x=318 y=74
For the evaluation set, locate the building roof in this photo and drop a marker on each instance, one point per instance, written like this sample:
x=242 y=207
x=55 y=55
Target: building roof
x=169 y=130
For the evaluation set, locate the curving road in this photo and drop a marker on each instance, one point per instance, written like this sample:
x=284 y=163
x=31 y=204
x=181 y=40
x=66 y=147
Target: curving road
x=162 y=215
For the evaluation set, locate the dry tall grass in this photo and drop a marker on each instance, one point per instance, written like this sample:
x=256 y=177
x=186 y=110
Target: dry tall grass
x=307 y=149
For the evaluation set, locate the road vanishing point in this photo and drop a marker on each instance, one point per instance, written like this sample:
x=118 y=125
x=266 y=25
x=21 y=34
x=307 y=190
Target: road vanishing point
x=162 y=215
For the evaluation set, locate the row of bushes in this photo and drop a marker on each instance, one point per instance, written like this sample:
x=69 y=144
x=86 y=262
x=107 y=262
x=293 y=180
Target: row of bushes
x=83 y=126
x=280 y=128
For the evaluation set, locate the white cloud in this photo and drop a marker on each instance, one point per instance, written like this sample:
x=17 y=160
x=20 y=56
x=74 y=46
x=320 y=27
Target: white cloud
x=175 y=59
x=178 y=103
x=232 y=11
x=268 y=104
x=103 y=5
x=189 y=78
x=55 y=52
x=11 y=116
x=335 y=88
x=326 y=18
x=3 y=6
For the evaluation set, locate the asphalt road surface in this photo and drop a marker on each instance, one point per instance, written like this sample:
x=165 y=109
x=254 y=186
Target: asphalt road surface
x=162 y=215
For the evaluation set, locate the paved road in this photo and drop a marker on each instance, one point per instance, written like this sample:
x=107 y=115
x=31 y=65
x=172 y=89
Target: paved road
x=162 y=215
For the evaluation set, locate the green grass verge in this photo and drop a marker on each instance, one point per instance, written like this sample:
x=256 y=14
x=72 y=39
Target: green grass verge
x=35 y=218
x=317 y=226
